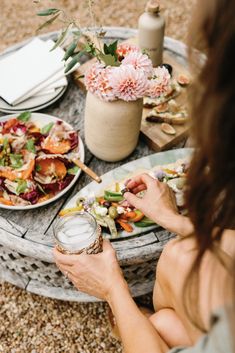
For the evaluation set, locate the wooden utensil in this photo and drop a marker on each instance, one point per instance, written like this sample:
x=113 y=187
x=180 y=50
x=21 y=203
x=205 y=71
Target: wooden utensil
x=87 y=170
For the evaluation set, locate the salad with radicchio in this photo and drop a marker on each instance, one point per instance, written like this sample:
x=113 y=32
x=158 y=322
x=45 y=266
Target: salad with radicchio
x=36 y=161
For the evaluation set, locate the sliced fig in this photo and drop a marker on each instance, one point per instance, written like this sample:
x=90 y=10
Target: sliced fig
x=168 y=129
x=183 y=80
x=162 y=108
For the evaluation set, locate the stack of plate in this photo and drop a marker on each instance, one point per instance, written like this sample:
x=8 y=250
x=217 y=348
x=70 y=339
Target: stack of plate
x=32 y=77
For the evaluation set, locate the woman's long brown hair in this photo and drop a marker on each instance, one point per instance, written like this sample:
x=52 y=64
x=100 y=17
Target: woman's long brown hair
x=210 y=195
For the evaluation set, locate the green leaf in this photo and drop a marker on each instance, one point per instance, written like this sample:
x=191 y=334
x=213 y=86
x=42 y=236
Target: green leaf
x=111 y=49
x=16 y=160
x=109 y=60
x=48 y=12
x=47 y=128
x=74 y=170
x=90 y=48
x=5 y=143
x=2 y=161
x=106 y=49
x=73 y=62
x=38 y=168
x=30 y=146
x=61 y=38
x=21 y=187
x=70 y=51
x=25 y=116
x=49 y=22
x=77 y=33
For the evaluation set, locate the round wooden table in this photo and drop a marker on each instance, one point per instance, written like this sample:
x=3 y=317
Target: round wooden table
x=26 y=238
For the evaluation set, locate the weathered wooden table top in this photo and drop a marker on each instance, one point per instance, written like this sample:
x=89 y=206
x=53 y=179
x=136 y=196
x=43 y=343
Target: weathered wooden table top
x=36 y=225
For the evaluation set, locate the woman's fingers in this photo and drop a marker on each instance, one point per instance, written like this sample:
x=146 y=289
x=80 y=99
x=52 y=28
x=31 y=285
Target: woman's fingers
x=133 y=200
x=67 y=260
x=107 y=245
x=139 y=188
x=140 y=179
x=64 y=269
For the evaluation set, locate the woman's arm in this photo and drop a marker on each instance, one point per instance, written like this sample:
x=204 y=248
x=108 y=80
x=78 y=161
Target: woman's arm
x=137 y=333
x=158 y=203
x=100 y=275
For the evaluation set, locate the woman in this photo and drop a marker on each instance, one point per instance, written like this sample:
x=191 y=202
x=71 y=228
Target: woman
x=194 y=293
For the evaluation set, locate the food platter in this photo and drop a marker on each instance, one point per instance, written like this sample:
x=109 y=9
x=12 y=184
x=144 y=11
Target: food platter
x=124 y=172
x=40 y=121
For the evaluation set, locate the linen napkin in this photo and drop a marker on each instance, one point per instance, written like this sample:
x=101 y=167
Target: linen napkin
x=29 y=70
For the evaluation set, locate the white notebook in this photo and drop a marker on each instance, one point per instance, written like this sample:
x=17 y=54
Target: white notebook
x=31 y=66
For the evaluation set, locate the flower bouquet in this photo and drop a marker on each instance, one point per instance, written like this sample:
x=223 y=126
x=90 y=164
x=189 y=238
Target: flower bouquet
x=115 y=100
x=116 y=83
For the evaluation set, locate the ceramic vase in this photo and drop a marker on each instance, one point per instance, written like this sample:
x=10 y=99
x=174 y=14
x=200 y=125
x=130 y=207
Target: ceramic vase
x=112 y=128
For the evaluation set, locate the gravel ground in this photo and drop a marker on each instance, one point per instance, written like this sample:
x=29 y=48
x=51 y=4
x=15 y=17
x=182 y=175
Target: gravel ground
x=33 y=324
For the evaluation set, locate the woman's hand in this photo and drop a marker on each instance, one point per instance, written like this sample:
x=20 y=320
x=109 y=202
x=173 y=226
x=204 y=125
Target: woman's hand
x=158 y=203
x=96 y=275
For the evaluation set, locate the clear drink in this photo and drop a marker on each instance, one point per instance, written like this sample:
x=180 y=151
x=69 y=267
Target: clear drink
x=78 y=232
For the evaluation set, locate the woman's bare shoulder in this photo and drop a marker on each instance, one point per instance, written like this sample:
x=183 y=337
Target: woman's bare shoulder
x=228 y=242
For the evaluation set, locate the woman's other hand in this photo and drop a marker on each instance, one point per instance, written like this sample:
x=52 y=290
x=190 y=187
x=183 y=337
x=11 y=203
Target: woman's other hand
x=97 y=275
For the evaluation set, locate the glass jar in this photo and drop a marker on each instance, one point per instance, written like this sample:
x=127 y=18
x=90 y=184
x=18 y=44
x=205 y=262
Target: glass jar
x=78 y=232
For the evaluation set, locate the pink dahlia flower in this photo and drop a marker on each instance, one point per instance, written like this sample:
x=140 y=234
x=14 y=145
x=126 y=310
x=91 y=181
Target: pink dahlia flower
x=140 y=62
x=97 y=82
x=159 y=83
x=91 y=76
x=104 y=90
x=128 y=84
x=124 y=49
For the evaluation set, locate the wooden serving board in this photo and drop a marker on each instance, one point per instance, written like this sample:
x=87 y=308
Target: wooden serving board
x=151 y=132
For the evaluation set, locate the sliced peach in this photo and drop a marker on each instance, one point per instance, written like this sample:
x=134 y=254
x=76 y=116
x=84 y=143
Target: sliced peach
x=51 y=166
x=9 y=124
x=56 y=148
x=45 y=198
x=13 y=174
x=9 y=174
x=34 y=128
x=6 y=202
x=25 y=174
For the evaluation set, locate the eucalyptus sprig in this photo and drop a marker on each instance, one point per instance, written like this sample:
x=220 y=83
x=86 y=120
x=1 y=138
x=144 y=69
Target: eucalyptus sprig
x=106 y=54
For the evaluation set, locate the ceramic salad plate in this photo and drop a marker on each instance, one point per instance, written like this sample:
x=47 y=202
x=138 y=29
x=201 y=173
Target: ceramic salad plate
x=34 y=103
x=36 y=159
x=169 y=166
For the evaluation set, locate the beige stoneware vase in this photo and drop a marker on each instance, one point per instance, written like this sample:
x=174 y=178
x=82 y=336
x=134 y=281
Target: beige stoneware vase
x=112 y=128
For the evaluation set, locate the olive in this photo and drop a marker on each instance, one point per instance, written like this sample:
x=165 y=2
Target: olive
x=113 y=212
x=107 y=204
x=168 y=67
x=80 y=200
x=125 y=190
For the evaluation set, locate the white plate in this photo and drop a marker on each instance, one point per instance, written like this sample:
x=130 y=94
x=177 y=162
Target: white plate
x=33 y=103
x=42 y=120
x=125 y=172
